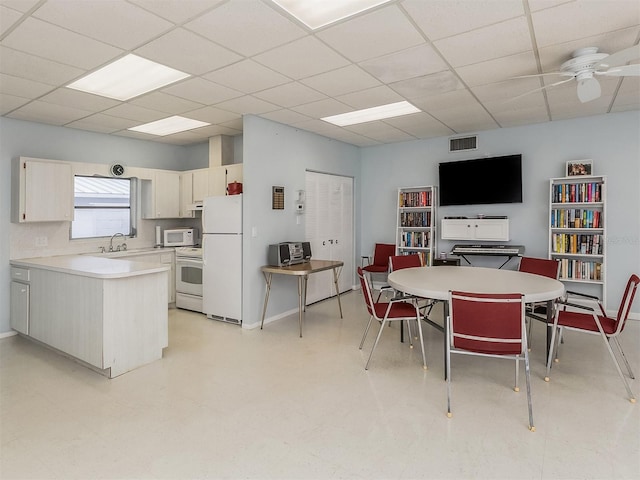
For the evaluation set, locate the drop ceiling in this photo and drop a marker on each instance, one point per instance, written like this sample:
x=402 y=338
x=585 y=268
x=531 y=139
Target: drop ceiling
x=453 y=59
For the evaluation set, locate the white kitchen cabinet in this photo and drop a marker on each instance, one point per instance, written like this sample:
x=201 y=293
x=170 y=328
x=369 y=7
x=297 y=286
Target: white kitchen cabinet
x=200 y=184
x=221 y=177
x=42 y=190
x=20 y=307
x=186 y=194
x=161 y=195
x=480 y=229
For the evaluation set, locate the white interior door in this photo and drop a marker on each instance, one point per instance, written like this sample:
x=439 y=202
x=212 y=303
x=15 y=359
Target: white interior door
x=329 y=230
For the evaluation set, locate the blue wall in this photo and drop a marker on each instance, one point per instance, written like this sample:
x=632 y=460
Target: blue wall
x=611 y=141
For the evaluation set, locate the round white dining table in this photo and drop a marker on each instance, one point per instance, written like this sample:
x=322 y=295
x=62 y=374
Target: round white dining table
x=436 y=282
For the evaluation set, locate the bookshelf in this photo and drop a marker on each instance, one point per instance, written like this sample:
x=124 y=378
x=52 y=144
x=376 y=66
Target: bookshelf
x=577 y=231
x=416 y=231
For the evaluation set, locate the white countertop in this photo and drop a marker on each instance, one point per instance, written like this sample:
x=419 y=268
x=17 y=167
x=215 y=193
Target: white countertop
x=90 y=266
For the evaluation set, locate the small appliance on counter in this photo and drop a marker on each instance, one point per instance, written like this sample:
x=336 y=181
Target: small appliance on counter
x=288 y=253
x=180 y=237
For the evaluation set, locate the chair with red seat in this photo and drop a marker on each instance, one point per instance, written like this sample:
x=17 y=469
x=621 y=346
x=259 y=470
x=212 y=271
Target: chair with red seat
x=395 y=310
x=595 y=321
x=380 y=266
x=489 y=325
x=538 y=266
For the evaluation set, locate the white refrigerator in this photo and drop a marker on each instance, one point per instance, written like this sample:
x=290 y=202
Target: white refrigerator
x=222 y=258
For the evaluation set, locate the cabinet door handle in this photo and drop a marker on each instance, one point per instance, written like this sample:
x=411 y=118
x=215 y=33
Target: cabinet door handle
x=324 y=243
x=331 y=242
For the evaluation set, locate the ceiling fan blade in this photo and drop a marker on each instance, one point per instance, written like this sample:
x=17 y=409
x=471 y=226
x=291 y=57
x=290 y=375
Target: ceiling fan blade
x=624 y=71
x=619 y=58
x=588 y=89
x=540 y=89
x=536 y=75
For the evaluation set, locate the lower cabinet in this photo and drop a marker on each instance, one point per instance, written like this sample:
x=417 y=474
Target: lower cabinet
x=20 y=307
x=475 y=229
x=166 y=258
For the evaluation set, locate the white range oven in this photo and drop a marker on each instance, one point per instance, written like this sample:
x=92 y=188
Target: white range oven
x=189 y=278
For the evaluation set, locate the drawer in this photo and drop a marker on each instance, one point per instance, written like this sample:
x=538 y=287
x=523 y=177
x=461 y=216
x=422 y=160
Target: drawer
x=18 y=273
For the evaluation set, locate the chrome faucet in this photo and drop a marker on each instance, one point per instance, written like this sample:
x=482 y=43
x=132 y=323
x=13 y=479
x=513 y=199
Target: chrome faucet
x=111 y=242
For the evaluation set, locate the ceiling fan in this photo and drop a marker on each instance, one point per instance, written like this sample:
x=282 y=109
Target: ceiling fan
x=586 y=64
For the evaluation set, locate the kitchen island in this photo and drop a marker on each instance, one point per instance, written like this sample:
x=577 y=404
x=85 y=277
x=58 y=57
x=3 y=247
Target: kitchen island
x=110 y=314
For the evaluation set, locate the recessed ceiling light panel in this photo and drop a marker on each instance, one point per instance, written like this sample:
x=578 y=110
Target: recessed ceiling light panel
x=169 y=125
x=319 y=13
x=128 y=77
x=370 y=114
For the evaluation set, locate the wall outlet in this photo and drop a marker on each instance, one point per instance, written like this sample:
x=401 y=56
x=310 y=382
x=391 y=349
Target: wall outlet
x=42 y=241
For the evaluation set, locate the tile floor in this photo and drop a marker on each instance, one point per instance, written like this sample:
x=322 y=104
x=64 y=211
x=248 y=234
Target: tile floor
x=231 y=403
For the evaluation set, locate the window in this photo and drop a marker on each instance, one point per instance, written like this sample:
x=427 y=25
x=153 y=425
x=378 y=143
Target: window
x=103 y=207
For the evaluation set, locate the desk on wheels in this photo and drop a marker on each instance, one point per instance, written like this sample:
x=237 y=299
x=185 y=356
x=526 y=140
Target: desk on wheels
x=436 y=282
x=302 y=271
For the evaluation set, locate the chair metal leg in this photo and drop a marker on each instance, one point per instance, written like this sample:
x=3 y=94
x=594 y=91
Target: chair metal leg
x=551 y=350
x=448 y=374
x=632 y=397
x=624 y=357
x=516 y=388
x=366 y=331
x=410 y=334
x=424 y=357
x=375 y=344
x=528 y=377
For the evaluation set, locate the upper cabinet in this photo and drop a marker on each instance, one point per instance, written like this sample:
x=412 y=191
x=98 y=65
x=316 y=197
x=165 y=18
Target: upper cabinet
x=489 y=229
x=42 y=190
x=161 y=195
x=221 y=177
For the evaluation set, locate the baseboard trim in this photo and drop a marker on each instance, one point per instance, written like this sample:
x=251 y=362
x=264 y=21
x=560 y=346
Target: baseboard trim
x=8 y=334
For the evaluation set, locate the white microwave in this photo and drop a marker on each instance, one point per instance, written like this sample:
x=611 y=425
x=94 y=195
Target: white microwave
x=180 y=237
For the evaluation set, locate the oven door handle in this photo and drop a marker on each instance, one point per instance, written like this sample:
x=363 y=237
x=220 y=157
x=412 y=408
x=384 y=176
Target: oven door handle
x=188 y=261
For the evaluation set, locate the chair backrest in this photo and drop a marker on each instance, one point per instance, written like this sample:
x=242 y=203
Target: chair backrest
x=540 y=266
x=487 y=323
x=627 y=301
x=382 y=252
x=398 y=262
x=366 y=291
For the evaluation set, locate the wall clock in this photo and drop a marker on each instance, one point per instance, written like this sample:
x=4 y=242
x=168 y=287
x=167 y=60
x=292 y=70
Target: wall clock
x=116 y=170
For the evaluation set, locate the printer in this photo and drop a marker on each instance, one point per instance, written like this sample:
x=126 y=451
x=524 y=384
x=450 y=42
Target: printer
x=288 y=253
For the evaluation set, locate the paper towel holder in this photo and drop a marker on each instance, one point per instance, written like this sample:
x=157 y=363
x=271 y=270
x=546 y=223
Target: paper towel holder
x=158 y=238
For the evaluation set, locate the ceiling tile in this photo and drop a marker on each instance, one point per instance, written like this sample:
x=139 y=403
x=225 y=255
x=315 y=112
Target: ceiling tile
x=410 y=63
x=323 y=108
x=164 y=102
x=53 y=114
x=371 y=97
x=211 y=115
x=285 y=116
x=465 y=118
x=521 y=116
x=428 y=86
x=133 y=112
x=187 y=52
x=498 y=69
x=506 y=38
x=201 y=91
x=328 y=130
x=20 y=64
x=247 y=76
x=177 y=11
x=103 y=123
x=11 y=102
x=290 y=95
x=341 y=81
x=420 y=125
x=261 y=27
x=302 y=58
x=80 y=100
x=535 y=5
x=20 y=5
x=504 y=92
x=354 y=38
x=247 y=105
x=8 y=18
x=60 y=45
x=628 y=94
x=20 y=87
x=444 y=18
x=114 y=22
x=587 y=18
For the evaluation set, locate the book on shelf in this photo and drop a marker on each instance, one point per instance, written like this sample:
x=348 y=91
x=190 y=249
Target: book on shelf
x=587 y=192
x=416 y=199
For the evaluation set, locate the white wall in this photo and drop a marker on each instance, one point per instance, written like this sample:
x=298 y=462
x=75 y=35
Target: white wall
x=279 y=155
x=612 y=141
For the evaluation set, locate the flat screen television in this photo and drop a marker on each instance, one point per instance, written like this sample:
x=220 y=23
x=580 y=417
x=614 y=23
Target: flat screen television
x=481 y=181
